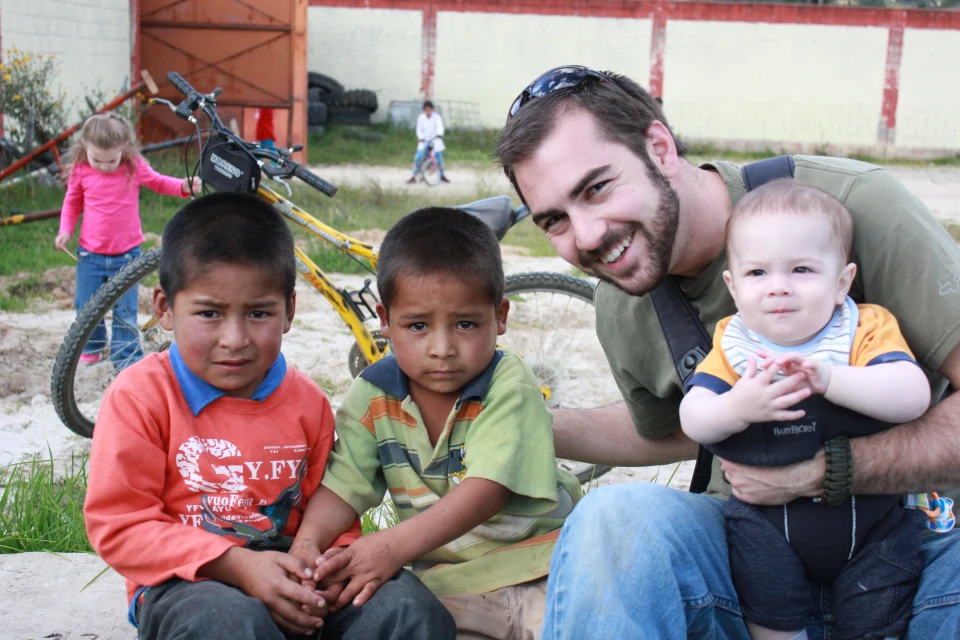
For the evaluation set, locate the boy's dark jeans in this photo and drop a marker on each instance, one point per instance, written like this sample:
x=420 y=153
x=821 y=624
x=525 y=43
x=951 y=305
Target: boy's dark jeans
x=402 y=609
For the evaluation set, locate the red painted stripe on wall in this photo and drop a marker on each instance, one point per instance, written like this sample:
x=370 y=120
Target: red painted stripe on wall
x=696 y=11
x=891 y=82
x=658 y=44
x=135 y=40
x=428 y=49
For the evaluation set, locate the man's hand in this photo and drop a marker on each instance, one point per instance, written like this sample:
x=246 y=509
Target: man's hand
x=776 y=485
x=817 y=374
x=273 y=578
x=757 y=398
x=365 y=565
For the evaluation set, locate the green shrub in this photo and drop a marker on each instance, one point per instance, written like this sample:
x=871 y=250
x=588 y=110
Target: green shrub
x=34 y=107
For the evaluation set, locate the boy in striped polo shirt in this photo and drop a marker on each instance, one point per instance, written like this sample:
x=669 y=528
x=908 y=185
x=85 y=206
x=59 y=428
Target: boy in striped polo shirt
x=457 y=430
x=800 y=365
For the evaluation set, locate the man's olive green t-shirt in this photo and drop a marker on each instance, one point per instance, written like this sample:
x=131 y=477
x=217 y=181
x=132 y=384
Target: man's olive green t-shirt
x=906 y=261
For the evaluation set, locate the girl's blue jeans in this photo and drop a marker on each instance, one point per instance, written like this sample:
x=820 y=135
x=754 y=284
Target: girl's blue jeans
x=93 y=271
x=646 y=561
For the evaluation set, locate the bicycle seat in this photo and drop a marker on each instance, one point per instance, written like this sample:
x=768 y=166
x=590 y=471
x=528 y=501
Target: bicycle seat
x=495 y=212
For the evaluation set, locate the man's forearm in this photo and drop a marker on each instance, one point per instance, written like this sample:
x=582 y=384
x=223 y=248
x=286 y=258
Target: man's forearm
x=911 y=458
x=607 y=436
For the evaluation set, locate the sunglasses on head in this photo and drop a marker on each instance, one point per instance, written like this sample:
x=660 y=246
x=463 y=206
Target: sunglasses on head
x=555 y=80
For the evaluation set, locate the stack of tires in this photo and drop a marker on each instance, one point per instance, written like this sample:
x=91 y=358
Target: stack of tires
x=329 y=103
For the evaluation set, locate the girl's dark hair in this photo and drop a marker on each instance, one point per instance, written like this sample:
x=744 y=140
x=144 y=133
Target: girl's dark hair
x=226 y=228
x=624 y=112
x=440 y=240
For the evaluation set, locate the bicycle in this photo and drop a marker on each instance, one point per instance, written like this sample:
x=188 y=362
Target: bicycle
x=551 y=319
x=428 y=170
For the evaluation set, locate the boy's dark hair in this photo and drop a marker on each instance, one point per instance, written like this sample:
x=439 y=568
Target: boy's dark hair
x=624 y=113
x=440 y=240
x=226 y=228
x=427 y=103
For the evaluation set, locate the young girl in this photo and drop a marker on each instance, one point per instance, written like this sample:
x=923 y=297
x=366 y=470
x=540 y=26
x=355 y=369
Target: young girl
x=105 y=175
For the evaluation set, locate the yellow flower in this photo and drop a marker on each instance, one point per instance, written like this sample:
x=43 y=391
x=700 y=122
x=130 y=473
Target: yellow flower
x=6 y=77
x=16 y=97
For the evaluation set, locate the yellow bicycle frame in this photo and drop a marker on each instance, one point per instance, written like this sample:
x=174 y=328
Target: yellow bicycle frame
x=344 y=307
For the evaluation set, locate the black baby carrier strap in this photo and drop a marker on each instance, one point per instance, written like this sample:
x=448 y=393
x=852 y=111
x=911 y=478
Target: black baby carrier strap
x=685 y=335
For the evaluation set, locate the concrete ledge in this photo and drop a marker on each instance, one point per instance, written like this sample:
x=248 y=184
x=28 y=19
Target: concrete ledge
x=41 y=597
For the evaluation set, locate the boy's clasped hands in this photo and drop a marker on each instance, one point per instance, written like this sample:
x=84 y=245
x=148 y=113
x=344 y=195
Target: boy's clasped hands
x=341 y=576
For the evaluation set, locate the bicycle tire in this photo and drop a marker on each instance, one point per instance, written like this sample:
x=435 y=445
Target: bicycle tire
x=431 y=171
x=575 y=369
x=79 y=415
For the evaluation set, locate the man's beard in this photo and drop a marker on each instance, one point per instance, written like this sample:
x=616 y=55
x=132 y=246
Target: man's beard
x=660 y=236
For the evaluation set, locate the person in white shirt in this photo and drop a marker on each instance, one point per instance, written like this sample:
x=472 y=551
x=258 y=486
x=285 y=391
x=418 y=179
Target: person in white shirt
x=429 y=128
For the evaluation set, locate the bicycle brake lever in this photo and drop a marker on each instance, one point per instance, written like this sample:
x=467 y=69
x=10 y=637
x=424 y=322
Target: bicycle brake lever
x=285 y=184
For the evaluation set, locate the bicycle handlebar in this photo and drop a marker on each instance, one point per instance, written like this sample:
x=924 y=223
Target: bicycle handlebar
x=314 y=180
x=194 y=99
x=180 y=84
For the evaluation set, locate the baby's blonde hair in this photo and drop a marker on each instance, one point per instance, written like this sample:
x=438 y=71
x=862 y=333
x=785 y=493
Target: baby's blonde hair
x=788 y=196
x=107 y=131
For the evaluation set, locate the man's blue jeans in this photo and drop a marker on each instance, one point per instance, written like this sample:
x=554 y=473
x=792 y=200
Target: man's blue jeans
x=647 y=561
x=421 y=154
x=93 y=271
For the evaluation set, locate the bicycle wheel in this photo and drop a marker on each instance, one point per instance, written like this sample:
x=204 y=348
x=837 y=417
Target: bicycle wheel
x=552 y=325
x=77 y=390
x=431 y=171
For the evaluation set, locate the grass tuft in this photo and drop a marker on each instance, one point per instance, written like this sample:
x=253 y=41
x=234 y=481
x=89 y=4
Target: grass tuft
x=380 y=517
x=41 y=506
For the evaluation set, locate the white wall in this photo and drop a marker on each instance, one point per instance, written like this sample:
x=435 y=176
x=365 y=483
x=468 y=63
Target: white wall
x=488 y=58
x=90 y=39
x=735 y=83
x=774 y=82
x=377 y=49
x=928 y=111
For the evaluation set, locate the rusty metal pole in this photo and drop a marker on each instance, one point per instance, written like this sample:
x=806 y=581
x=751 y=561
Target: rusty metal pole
x=20 y=218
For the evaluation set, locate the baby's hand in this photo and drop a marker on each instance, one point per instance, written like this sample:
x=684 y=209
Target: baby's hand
x=757 y=398
x=191 y=185
x=62 y=240
x=816 y=374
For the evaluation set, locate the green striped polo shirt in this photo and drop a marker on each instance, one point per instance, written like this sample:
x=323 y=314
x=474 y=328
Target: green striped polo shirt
x=499 y=429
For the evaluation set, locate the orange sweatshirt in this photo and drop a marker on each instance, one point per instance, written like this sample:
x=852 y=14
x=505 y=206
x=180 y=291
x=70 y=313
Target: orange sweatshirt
x=169 y=491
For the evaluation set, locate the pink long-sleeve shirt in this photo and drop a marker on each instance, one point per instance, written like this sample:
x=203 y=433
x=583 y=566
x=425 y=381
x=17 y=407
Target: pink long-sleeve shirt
x=111 y=205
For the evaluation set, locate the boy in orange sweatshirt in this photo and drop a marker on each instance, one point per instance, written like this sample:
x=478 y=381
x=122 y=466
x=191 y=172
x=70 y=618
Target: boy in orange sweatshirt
x=205 y=455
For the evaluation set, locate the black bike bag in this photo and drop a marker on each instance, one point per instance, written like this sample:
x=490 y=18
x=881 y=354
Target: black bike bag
x=226 y=166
